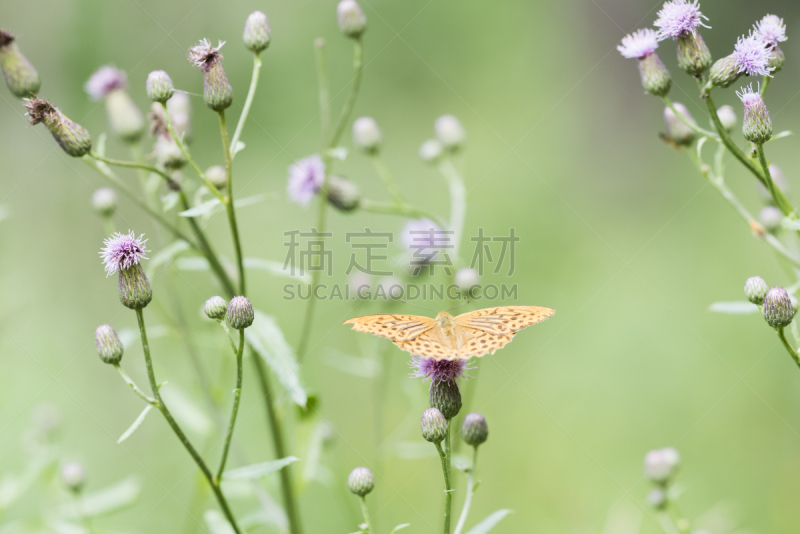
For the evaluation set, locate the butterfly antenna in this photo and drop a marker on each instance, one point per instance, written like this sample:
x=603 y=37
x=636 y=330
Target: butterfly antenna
x=418 y=306
x=459 y=305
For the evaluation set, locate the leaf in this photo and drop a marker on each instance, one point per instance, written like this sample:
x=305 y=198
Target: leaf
x=185 y=410
x=400 y=527
x=135 y=425
x=217 y=523
x=214 y=205
x=201 y=209
x=256 y=471
x=267 y=340
x=364 y=367
x=238 y=148
x=276 y=268
x=740 y=307
x=488 y=524
x=105 y=501
x=100 y=145
x=781 y=135
x=166 y=255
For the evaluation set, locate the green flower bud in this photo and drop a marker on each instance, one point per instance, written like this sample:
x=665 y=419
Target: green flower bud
x=367 y=135
x=430 y=151
x=134 y=288
x=474 y=430
x=109 y=347
x=256 y=32
x=725 y=71
x=776 y=60
x=73 y=476
x=677 y=130
x=361 y=481
x=217 y=90
x=446 y=397
x=450 y=132
x=661 y=464
x=215 y=308
x=218 y=176
x=654 y=75
x=352 y=20
x=104 y=202
x=757 y=125
x=433 y=425
x=159 y=86
x=21 y=78
x=240 y=313
x=125 y=118
x=755 y=289
x=693 y=55
x=343 y=193
x=778 y=309
x=70 y=136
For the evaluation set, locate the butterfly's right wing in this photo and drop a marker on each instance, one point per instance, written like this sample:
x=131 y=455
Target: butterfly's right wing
x=398 y=328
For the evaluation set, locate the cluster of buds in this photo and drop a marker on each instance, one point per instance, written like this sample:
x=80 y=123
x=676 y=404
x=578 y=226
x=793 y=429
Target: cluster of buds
x=660 y=466
x=776 y=304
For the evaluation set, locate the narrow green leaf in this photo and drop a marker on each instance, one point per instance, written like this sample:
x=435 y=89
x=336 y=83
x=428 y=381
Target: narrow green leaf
x=105 y=501
x=214 y=205
x=489 y=523
x=781 y=135
x=737 y=307
x=217 y=523
x=238 y=148
x=135 y=425
x=201 y=209
x=256 y=471
x=276 y=268
x=400 y=527
x=185 y=410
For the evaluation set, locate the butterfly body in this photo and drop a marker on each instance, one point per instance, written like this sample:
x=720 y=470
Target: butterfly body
x=472 y=334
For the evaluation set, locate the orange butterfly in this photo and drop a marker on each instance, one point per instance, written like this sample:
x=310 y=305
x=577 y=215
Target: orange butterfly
x=446 y=337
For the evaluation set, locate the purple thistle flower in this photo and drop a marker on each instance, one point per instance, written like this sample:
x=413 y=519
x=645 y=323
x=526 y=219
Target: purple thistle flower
x=679 y=17
x=123 y=251
x=771 y=30
x=639 y=44
x=305 y=179
x=439 y=370
x=103 y=81
x=749 y=97
x=752 y=56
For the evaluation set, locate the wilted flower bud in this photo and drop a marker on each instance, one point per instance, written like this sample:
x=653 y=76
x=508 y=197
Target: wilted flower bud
x=755 y=289
x=256 y=32
x=217 y=90
x=642 y=45
x=727 y=116
x=757 y=126
x=134 y=288
x=467 y=278
x=104 y=201
x=73 y=476
x=661 y=464
x=109 y=347
x=240 y=313
x=352 y=20
x=474 y=430
x=771 y=218
x=218 y=176
x=450 y=132
x=360 y=481
x=21 y=78
x=367 y=135
x=431 y=150
x=657 y=498
x=693 y=54
x=215 y=308
x=70 y=136
x=159 y=86
x=677 y=130
x=343 y=193
x=778 y=309
x=446 y=397
x=433 y=425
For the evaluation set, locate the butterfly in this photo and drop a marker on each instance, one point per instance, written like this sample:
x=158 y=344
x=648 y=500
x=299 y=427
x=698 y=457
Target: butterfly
x=445 y=337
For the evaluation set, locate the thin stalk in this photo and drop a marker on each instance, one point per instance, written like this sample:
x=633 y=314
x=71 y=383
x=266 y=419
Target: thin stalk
x=687 y=122
x=388 y=208
x=792 y=352
x=136 y=389
x=734 y=149
x=444 y=455
x=780 y=200
x=237 y=246
x=131 y=165
x=458 y=201
x=388 y=179
x=323 y=87
x=344 y=116
x=237 y=395
x=223 y=503
x=765 y=85
x=365 y=512
x=471 y=486
x=251 y=93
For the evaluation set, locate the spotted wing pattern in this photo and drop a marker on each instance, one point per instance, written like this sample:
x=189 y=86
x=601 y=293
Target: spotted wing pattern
x=398 y=328
x=490 y=329
x=430 y=344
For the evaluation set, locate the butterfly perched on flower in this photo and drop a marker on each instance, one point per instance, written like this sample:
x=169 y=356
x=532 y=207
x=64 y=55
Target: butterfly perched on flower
x=445 y=337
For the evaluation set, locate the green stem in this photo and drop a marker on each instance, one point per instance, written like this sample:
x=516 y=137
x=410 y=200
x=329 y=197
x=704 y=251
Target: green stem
x=251 y=93
x=780 y=200
x=237 y=245
x=365 y=512
x=686 y=121
x=444 y=455
x=132 y=165
x=405 y=210
x=323 y=86
x=223 y=503
x=128 y=380
x=462 y=519
x=237 y=395
x=729 y=144
x=388 y=179
x=458 y=202
x=765 y=85
x=358 y=70
x=792 y=352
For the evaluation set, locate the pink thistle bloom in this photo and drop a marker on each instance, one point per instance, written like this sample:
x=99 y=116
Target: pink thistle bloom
x=305 y=179
x=104 y=80
x=123 y=251
x=439 y=370
x=752 y=56
x=771 y=30
x=639 y=44
x=749 y=97
x=679 y=17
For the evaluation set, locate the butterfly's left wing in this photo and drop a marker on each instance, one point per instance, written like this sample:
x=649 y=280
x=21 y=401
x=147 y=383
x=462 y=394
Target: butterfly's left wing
x=397 y=327
x=492 y=328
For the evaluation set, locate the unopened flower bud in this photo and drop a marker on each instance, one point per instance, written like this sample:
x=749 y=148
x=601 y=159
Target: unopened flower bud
x=693 y=54
x=361 y=481
x=755 y=289
x=661 y=464
x=352 y=20
x=343 y=193
x=467 y=278
x=778 y=309
x=218 y=176
x=727 y=116
x=217 y=90
x=367 y=135
x=657 y=498
x=450 y=132
x=73 y=476
x=104 y=201
x=771 y=218
x=433 y=425
x=654 y=75
x=215 y=308
x=256 y=32
x=70 y=136
x=109 y=347
x=134 y=288
x=677 y=130
x=446 y=397
x=21 y=78
x=776 y=59
x=431 y=150
x=474 y=430
x=757 y=126
x=725 y=71
x=159 y=86
x=240 y=313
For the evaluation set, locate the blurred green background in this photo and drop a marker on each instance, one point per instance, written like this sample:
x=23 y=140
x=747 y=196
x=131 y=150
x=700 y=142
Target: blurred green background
x=619 y=234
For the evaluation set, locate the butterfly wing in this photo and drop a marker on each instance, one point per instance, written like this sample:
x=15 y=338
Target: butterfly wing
x=398 y=328
x=490 y=329
x=430 y=344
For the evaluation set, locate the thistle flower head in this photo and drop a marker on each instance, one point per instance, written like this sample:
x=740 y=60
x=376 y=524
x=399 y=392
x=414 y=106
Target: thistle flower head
x=752 y=56
x=433 y=425
x=361 y=481
x=204 y=56
x=343 y=194
x=677 y=130
x=367 y=135
x=446 y=397
x=450 y=132
x=215 y=308
x=727 y=116
x=305 y=179
x=73 y=138
x=755 y=289
x=771 y=30
x=20 y=75
x=639 y=44
x=256 y=32
x=474 y=430
x=73 y=476
x=159 y=86
x=778 y=308
x=217 y=175
x=439 y=370
x=431 y=150
x=108 y=345
x=679 y=17
x=39 y=110
x=104 y=201
x=123 y=251
x=661 y=464
x=240 y=313
x=352 y=20
x=757 y=125
x=105 y=80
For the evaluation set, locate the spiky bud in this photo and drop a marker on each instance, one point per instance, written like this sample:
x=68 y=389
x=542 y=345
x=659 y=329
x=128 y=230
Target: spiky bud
x=352 y=20
x=655 y=77
x=109 y=347
x=21 y=78
x=450 y=132
x=778 y=309
x=240 y=313
x=677 y=130
x=474 y=430
x=446 y=397
x=431 y=150
x=725 y=71
x=217 y=90
x=727 y=116
x=467 y=278
x=361 y=481
x=343 y=193
x=755 y=289
x=367 y=135
x=70 y=136
x=776 y=59
x=159 y=86
x=757 y=125
x=661 y=464
x=73 y=476
x=693 y=54
x=215 y=308
x=134 y=288
x=433 y=425
x=256 y=32
x=104 y=202
x=770 y=218
x=218 y=176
